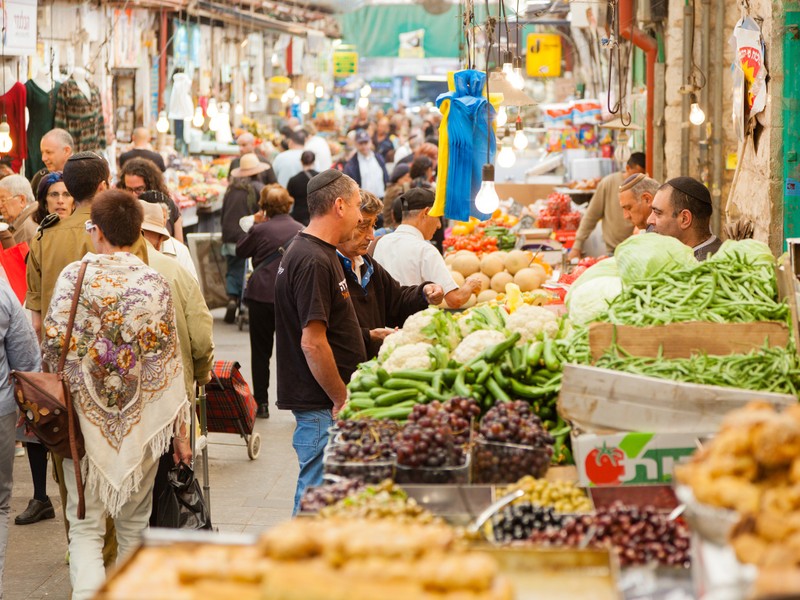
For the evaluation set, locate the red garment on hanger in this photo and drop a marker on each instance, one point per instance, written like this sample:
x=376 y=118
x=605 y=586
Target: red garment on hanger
x=12 y=104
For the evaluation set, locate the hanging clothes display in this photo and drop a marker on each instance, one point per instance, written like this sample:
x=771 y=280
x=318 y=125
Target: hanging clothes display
x=81 y=116
x=12 y=104
x=42 y=113
x=180 y=100
x=468 y=121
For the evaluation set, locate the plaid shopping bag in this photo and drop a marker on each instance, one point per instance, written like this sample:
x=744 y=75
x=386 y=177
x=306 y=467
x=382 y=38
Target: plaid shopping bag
x=230 y=406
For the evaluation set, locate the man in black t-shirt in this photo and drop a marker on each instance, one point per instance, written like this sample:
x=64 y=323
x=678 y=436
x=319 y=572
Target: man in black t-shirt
x=141 y=149
x=318 y=339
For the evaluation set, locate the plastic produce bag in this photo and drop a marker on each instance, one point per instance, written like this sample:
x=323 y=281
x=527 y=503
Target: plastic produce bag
x=181 y=504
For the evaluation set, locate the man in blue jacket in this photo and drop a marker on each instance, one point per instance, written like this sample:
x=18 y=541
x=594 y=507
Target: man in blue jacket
x=367 y=168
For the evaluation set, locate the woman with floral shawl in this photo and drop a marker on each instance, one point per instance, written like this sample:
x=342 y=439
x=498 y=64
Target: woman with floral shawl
x=126 y=378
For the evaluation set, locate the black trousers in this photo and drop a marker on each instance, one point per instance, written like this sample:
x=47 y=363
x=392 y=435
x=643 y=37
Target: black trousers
x=262 y=340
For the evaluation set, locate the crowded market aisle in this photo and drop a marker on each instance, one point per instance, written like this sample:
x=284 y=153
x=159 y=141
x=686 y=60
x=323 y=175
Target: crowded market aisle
x=246 y=496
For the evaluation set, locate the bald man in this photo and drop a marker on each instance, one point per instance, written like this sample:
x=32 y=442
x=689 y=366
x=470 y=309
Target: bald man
x=142 y=149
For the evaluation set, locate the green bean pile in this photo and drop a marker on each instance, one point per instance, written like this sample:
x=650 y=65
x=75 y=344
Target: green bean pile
x=736 y=290
x=765 y=369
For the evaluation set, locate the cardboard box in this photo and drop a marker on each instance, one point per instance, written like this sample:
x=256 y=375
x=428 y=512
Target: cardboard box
x=681 y=340
x=605 y=401
x=630 y=458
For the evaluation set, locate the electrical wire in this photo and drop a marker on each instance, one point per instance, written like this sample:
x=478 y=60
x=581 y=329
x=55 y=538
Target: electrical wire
x=489 y=33
x=695 y=67
x=108 y=36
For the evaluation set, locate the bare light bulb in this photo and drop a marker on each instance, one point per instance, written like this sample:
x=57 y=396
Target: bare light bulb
x=310 y=88
x=319 y=91
x=502 y=116
x=506 y=157
x=366 y=90
x=162 y=125
x=487 y=199
x=696 y=114
x=363 y=102
x=252 y=96
x=284 y=98
x=211 y=109
x=275 y=60
x=5 y=136
x=518 y=81
x=508 y=65
x=198 y=119
x=305 y=107
x=290 y=93
x=520 y=139
x=238 y=109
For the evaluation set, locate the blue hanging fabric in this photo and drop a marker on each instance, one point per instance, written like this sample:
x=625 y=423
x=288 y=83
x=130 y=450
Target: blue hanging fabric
x=467 y=125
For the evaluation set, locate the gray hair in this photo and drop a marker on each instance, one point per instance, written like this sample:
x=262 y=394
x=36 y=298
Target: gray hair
x=17 y=185
x=321 y=200
x=246 y=137
x=648 y=185
x=61 y=135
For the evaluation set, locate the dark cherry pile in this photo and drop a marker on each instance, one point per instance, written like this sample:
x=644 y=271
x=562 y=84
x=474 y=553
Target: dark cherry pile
x=316 y=498
x=511 y=423
x=637 y=535
x=519 y=521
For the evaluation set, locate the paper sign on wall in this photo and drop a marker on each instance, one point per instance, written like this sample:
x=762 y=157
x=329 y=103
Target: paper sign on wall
x=19 y=19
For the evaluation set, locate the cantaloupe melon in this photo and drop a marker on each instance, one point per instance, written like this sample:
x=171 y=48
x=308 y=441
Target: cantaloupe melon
x=466 y=264
x=471 y=302
x=491 y=264
x=528 y=279
x=484 y=279
x=487 y=296
x=458 y=278
x=517 y=260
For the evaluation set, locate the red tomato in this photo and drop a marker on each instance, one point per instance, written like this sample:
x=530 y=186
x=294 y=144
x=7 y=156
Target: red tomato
x=604 y=465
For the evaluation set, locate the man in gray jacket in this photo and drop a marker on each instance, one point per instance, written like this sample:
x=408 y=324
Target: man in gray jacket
x=19 y=350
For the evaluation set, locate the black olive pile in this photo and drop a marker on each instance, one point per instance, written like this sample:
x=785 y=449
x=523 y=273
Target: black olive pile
x=519 y=521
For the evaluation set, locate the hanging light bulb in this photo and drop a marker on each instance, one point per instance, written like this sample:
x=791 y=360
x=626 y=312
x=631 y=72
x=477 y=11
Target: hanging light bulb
x=211 y=109
x=506 y=157
x=487 y=199
x=622 y=152
x=363 y=102
x=290 y=93
x=696 y=114
x=162 y=125
x=502 y=117
x=319 y=91
x=238 y=109
x=275 y=60
x=5 y=136
x=310 y=88
x=520 y=139
x=305 y=107
x=518 y=81
x=508 y=65
x=284 y=98
x=198 y=119
x=366 y=90
x=252 y=97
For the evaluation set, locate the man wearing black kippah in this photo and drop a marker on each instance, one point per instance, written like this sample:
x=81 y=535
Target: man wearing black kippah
x=318 y=338
x=682 y=209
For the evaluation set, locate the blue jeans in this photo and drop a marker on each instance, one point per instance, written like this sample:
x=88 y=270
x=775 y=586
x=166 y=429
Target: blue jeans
x=234 y=277
x=309 y=440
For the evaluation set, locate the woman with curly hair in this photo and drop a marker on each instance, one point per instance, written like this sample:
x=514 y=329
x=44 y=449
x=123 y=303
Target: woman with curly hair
x=139 y=175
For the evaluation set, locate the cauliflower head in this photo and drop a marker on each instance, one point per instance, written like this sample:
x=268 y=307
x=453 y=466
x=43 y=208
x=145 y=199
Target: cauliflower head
x=392 y=341
x=531 y=321
x=432 y=325
x=475 y=343
x=409 y=356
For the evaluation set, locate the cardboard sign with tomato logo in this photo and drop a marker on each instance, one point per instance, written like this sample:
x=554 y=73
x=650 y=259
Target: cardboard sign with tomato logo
x=630 y=458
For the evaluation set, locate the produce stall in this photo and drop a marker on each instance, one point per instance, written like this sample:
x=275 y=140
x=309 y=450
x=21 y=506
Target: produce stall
x=525 y=449
x=197 y=186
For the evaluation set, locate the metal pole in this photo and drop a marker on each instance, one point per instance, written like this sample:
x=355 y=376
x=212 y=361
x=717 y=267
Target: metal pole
x=717 y=158
x=688 y=28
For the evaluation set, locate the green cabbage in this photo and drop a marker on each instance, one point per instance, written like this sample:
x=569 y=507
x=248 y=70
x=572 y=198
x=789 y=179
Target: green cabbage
x=605 y=268
x=587 y=302
x=750 y=251
x=642 y=256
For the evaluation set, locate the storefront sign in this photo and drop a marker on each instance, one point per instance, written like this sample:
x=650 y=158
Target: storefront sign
x=19 y=19
x=345 y=64
x=543 y=55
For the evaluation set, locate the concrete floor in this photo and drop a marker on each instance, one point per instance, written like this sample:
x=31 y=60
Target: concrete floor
x=246 y=496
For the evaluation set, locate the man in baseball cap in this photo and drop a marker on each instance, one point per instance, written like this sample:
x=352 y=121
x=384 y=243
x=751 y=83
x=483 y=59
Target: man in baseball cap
x=682 y=209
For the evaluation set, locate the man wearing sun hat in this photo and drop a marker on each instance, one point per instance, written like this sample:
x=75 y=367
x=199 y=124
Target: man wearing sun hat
x=682 y=209
x=318 y=339
x=241 y=200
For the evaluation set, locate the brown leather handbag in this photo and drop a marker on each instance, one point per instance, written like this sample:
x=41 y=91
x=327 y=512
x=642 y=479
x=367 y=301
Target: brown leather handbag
x=46 y=404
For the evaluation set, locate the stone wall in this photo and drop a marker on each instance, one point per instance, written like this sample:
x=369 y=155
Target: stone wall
x=756 y=191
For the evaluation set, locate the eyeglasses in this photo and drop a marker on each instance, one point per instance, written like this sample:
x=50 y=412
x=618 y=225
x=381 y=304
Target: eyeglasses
x=56 y=195
x=138 y=190
x=89 y=226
